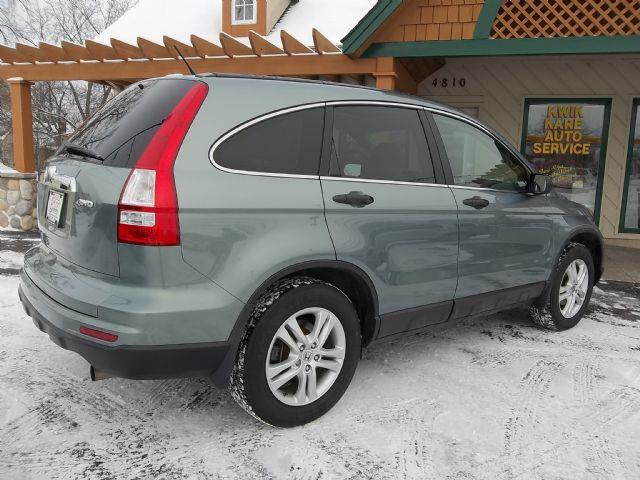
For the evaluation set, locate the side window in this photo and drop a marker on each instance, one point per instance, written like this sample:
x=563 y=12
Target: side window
x=288 y=144
x=477 y=160
x=380 y=143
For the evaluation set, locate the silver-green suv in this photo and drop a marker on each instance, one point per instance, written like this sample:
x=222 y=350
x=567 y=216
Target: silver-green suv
x=263 y=231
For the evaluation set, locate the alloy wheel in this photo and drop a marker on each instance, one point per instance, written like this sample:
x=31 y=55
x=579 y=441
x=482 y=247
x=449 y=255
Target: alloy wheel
x=573 y=288
x=305 y=356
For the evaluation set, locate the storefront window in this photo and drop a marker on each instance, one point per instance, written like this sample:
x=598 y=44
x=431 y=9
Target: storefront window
x=630 y=221
x=566 y=139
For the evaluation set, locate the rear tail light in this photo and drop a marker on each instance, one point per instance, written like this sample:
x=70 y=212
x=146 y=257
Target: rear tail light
x=148 y=207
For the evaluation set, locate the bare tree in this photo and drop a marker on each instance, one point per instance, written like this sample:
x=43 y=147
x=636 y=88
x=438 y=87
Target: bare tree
x=58 y=107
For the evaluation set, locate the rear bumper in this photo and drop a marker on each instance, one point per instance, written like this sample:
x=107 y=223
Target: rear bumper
x=135 y=362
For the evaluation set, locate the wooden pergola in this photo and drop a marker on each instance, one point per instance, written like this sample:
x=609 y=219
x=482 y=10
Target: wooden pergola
x=120 y=64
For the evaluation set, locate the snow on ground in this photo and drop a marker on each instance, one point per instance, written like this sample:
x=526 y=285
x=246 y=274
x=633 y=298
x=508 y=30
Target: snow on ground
x=13 y=246
x=490 y=399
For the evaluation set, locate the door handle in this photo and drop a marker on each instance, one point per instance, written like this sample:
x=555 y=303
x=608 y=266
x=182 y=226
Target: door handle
x=355 y=199
x=476 y=202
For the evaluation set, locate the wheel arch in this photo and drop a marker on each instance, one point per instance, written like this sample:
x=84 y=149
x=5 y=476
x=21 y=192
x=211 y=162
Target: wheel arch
x=592 y=239
x=349 y=278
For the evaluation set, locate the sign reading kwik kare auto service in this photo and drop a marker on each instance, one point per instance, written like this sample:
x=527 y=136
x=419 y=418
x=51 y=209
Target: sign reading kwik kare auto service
x=564 y=140
x=563 y=132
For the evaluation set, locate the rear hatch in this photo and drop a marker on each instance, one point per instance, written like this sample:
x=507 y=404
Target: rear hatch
x=79 y=190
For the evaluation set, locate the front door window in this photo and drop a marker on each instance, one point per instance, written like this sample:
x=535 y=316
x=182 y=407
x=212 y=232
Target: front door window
x=477 y=160
x=566 y=139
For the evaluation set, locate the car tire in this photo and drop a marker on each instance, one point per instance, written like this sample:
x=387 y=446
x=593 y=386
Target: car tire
x=263 y=351
x=567 y=297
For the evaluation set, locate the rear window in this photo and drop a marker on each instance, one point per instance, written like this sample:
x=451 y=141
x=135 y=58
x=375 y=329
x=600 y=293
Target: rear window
x=120 y=131
x=287 y=144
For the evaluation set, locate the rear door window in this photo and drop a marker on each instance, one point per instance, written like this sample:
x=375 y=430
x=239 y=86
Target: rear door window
x=285 y=144
x=120 y=131
x=380 y=143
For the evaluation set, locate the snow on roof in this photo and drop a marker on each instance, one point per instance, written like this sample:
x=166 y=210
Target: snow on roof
x=151 y=19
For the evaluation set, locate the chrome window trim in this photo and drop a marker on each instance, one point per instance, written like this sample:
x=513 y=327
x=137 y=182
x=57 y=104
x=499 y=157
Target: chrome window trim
x=386 y=182
x=333 y=103
x=250 y=123
x=485 y=189
x=378 y=103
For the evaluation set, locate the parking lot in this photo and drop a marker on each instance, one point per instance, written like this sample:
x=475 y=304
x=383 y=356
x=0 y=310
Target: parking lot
x=491 y=398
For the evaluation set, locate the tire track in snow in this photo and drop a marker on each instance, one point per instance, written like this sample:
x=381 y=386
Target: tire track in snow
x=415 y=458
x=615 y=408
x=503 y=357
x=524 y=417
x=601 y=458
x=585 y=374
x=362 y=463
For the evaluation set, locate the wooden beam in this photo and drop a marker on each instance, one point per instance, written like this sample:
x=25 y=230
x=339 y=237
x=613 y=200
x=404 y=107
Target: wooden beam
x=186 y=50
x=101 y=52
x=268 y=65
x=206 y=48
x=152 y=50
x=125 y=50
x=76 y=52
x=22 y=125
x=32 y=53
x=54 y=53
x=292 y=46
x=261 y=46
x=323 y=44
x=233 y=47
x=11 y=55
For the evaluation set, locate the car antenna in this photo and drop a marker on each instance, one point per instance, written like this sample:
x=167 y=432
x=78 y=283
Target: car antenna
x=185 y=61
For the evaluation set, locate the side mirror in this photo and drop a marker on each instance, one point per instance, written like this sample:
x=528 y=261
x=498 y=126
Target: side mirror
x=540 y=184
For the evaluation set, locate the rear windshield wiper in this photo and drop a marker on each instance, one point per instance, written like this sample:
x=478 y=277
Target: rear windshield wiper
x=80 y=150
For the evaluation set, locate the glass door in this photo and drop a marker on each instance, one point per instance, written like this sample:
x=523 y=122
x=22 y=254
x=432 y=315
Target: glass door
x=630 y=218
x=567 y=140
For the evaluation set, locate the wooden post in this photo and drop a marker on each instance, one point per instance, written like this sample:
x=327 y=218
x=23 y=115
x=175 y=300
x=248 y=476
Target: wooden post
x=22 y=125
x=385 y=74
x=392 y=75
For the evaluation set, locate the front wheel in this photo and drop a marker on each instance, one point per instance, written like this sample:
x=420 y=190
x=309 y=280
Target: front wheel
x=298 y=354
x=570 y=290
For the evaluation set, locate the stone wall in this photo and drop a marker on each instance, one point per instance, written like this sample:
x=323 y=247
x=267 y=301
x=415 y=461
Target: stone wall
x=18 y=201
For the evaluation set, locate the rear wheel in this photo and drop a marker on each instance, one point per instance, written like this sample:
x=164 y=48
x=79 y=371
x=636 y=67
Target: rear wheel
x=298 y=354
x=569 y=294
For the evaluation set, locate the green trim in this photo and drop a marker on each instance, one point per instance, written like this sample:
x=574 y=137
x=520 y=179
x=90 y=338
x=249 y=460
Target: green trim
x=606 y=102
x=367 y=26
x=627 y=172
x=499 y=47
x=486 y=18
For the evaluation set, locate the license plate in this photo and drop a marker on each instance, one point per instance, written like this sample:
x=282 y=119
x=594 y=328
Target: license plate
x=54 y=207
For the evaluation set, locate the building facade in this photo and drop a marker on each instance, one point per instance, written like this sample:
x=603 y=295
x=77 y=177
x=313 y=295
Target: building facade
x=559 y=79
x=574 y=117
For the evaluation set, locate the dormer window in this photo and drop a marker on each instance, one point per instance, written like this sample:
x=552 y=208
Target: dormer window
x=244 y=11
